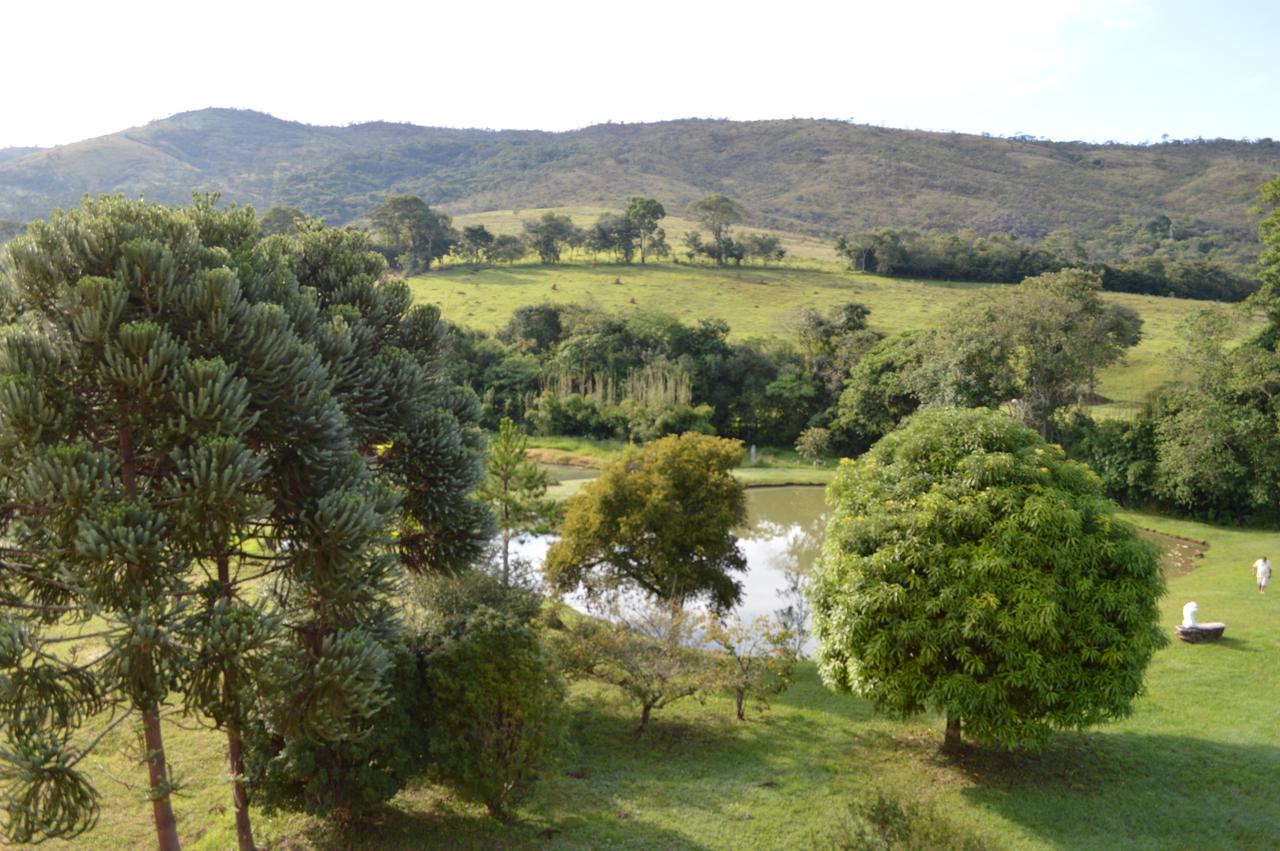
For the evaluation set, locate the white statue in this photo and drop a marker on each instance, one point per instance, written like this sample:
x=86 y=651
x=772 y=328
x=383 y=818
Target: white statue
x=1189 y=614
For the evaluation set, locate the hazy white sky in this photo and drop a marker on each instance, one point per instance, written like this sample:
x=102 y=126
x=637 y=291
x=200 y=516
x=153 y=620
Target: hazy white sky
x=1127 y=70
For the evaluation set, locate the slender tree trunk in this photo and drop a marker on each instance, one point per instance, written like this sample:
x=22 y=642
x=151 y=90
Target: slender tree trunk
x=644 y=717
x=951 y=742
x=152 y=737
x=244 y=828
x=506 y=558
x=235 y=759
x=161 y=806
x=741 y=698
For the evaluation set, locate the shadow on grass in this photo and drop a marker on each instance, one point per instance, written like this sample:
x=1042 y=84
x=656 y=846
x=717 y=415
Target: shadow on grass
x=1133 y=791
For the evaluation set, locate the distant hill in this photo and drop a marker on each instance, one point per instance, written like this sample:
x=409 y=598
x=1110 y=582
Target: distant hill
x=822 y=177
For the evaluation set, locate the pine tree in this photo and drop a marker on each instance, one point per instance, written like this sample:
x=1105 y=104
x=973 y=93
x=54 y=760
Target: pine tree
x=418 y=436
x=515 y=488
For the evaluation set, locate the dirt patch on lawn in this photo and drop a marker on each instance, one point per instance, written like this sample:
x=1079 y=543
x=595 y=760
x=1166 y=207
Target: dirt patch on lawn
x=563 y=458
x=1178 y=555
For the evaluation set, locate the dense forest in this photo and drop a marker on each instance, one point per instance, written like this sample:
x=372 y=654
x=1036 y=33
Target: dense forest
x=825 y=177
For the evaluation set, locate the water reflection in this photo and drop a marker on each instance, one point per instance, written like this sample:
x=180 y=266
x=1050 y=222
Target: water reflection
x=783 y=533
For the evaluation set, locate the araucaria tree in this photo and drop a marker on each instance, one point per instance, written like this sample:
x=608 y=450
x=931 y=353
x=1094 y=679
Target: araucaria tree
x=660 y=520
x=971 y=570
x=515 y=488
x=136 y=462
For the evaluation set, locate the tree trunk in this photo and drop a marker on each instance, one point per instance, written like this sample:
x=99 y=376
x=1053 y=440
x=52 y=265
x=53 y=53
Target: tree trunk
x=161 y=806
x=644 y=717
x=244 y=829
x=951 y=743
x=741 y=698
x=235 y=759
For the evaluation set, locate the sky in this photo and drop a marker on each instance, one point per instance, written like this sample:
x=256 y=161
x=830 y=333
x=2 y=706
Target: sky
x=1094 y=70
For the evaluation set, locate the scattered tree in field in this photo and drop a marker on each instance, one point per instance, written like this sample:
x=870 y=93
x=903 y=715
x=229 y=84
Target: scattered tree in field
x=550 y=235
x=613 y=234
x=693 y=245
x=643 y=214
x=416 y=233
x=515 y=489
x=755 y=661
x=763 y=247
x=493 y=707
x=659 y=520
x=645 y=647
x=813 y=443
x=718 y=214
x=507 y=248
x=971 y=570
x=476 y=243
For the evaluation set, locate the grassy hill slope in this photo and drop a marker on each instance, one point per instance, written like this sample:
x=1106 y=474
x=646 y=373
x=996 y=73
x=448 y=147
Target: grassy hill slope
x=802 y=175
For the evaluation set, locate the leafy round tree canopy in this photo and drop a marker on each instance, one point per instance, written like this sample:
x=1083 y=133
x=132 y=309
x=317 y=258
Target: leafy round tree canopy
x=971 y=570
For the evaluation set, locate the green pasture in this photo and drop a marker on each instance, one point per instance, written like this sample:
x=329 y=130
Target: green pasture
x=1195 y=765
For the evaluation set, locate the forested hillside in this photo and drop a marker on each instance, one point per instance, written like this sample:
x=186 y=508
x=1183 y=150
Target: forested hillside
x=822 y=177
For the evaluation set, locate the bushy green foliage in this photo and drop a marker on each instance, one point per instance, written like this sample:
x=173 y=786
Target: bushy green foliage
x=971 y=570
x=659 y=520
x=877 y=821
x=493 y=707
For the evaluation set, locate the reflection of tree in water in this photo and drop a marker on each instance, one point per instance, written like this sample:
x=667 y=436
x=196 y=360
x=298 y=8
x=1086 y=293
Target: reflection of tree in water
x=790 y=548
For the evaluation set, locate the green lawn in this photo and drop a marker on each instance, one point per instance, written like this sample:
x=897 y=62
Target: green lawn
x=1196 y=765
x=759 y=302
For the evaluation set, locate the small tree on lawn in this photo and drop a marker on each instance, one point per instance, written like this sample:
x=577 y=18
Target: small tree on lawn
x=660 y=520
x=755 y=661
x=514 y=487
x=813 y=443
x=642 y=646
x=971 y=570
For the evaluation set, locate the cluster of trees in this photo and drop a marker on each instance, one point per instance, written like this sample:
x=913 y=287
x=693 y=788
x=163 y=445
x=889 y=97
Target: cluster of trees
x=222 y=456
x=1207 y=443
x=576 y=370
x=1149 y=267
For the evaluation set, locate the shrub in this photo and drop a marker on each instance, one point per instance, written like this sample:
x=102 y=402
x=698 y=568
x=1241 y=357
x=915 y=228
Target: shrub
x=494 y=707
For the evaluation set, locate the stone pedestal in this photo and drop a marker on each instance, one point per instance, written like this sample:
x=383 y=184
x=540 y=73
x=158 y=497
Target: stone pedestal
x=1201 y=632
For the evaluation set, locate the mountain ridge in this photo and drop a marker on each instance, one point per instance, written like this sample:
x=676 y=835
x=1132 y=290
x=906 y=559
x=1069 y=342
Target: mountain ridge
x=816 y=175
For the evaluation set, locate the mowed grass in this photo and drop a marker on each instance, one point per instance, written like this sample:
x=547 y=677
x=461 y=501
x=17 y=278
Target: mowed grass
x=766 y=301
x=1194 y=766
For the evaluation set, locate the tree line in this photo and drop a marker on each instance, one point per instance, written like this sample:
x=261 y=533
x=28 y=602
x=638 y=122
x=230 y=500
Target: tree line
x=1163 y=259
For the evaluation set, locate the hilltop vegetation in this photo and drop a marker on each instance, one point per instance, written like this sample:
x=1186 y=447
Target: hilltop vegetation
x=828 y=177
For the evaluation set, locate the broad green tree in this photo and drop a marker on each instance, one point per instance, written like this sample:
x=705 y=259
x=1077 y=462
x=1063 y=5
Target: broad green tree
x=644 y=215
x=1038 y=344
x=280 y=220
x=718 y=214
x=515 y=488
x=418 y=234
x=971 y=570
x=550 y=235
x=659 y=520
x=475 y=243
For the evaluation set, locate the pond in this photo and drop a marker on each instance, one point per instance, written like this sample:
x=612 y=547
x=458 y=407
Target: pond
x=783 y=534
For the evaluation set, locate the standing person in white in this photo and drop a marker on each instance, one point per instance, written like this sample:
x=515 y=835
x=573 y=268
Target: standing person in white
x=1262 y=571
